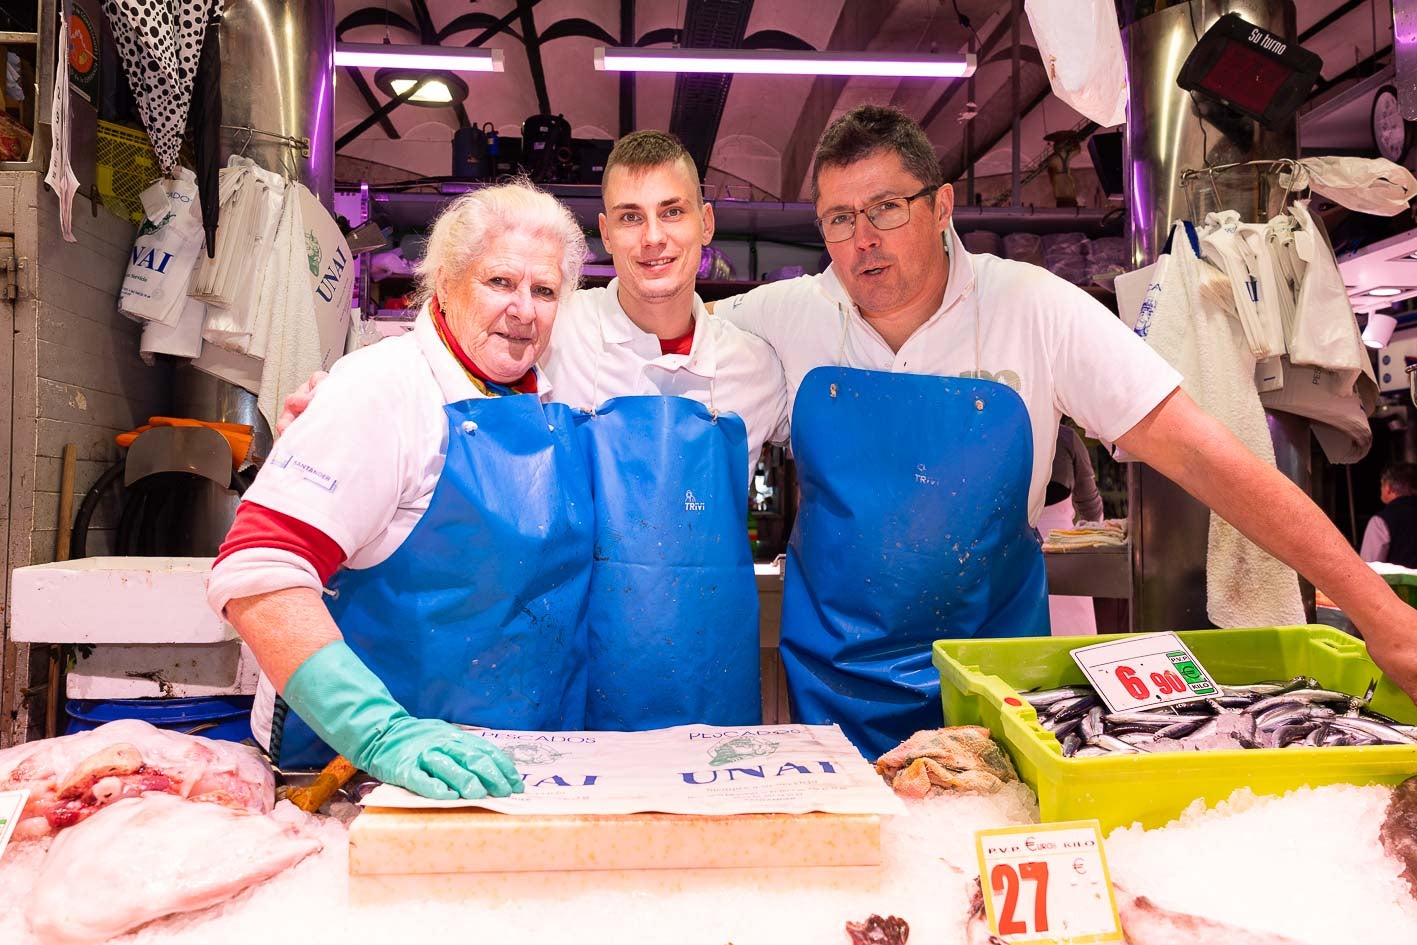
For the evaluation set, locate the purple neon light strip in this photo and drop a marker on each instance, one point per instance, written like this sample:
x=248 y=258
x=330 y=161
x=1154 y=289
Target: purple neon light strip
x=383 y=55
x=779 y=62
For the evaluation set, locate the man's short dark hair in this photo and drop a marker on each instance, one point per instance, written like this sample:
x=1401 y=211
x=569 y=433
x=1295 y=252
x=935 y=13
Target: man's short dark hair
x=641 y=150
x=870 y=129
x=1402 y=478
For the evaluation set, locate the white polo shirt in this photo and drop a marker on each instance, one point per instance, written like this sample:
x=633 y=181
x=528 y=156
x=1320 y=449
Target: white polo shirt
x=360 y=464
x=1060 y=349
x=597 y=353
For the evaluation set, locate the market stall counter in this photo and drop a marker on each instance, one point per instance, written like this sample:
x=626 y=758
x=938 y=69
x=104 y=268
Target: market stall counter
x=134 y=837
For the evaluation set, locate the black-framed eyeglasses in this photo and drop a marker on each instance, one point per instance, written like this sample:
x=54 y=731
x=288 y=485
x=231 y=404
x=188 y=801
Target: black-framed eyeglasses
x=886 y=215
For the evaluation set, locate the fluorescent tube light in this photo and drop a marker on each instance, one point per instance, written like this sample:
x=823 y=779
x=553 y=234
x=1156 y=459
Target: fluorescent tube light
x=386 y=55
x=1385 y=292
x=782 y=62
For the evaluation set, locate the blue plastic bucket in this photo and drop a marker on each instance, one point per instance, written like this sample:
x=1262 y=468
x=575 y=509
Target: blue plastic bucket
x=226 y=718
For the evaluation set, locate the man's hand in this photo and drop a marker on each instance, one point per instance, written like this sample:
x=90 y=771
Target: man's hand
x=1192 y=449
x=1392 y=643
x=298 y=400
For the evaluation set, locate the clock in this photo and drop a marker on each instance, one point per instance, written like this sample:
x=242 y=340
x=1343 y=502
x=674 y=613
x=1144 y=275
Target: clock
x=1392 y=134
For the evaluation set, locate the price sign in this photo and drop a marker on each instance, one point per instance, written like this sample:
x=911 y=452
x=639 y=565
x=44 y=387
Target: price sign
x=1047 y=883
x=1144 y=671
x=11 y=804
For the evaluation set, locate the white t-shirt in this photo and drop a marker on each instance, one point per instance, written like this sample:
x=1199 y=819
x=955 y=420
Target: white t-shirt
x=360 y=464
x=1060 y=349
x=597 y=353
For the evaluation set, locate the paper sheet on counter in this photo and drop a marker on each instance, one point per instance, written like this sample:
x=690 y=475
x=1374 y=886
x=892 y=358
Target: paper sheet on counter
x=689 y=769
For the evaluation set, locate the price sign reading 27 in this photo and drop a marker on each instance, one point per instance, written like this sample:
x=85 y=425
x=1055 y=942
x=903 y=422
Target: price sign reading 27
x=1047 y=883
x=1151 y=670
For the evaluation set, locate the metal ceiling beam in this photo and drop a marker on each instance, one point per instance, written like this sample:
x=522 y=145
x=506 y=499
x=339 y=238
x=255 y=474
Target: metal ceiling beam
x=699 y=98
x=956 y=89
x=627 y=79
x=858 y=24
x=993 y=124
x=1331 y=18
x=1358 y=70
x=533 y=54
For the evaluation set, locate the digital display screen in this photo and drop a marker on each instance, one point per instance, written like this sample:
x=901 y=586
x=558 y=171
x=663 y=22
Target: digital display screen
x=1247 y=78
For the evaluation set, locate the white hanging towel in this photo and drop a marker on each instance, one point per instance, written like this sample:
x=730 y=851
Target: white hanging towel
x=1368 y=185
x=292 y=348
x=1081 y=47
x=60 y=177
x=1245 y=586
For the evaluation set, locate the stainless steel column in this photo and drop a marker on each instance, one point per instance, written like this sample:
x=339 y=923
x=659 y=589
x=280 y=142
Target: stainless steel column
x=277 y=76
x=1169 y=131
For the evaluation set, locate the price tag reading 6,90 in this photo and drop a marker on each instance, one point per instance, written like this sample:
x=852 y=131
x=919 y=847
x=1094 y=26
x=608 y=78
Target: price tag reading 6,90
x=1047 y=883
x=1151 y=670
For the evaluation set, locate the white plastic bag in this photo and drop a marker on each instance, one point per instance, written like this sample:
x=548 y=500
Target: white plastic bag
x=1081 y=46
x=1325 y=329
x=164 y=252
x=1368 y=185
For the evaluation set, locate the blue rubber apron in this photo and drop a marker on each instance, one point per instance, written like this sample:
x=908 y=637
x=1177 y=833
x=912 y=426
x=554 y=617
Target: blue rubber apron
x=479 y=616
x=912 y=526
x=673 y=614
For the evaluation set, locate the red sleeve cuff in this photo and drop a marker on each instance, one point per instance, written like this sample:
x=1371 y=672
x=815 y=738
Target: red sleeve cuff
x=256 y=526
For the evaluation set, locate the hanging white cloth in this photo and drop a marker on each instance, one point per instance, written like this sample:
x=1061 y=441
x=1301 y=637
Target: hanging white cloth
x=1081 y=47
x=61 y=177
x=290 y=339
x=1245 y=586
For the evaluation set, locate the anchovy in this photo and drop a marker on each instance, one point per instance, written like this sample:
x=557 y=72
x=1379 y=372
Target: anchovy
x=1042 y=698
x=1296 y=713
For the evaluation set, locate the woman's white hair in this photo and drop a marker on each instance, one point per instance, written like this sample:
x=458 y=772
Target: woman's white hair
x=465 y=227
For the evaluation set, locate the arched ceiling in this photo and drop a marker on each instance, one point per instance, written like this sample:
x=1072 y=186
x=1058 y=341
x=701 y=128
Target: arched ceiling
x=766 y=126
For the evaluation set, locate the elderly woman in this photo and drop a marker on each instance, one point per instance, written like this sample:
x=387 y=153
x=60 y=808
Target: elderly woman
x=445 y=509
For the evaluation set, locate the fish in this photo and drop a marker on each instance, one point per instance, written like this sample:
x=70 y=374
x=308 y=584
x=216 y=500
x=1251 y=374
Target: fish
x=1299 y=713
x=1399 y=830
x=932 y=762
x=1146 y=923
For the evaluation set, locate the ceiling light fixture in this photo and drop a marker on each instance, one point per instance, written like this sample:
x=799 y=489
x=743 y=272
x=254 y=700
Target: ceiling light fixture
x=439 y=90
x=1378 y=332
x=388 y=55
x=782 y=62
x=1384 y=292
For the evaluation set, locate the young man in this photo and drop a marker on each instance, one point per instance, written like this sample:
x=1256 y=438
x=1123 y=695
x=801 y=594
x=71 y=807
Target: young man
x=927 y=385
x=674 y=407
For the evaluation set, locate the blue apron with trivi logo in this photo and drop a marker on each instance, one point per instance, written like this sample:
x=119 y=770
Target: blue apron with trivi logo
x=479 y=616
x=912 y=526
x=673 y=614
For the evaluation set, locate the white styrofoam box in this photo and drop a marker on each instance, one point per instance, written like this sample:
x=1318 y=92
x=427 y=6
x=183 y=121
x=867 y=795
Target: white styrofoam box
x=163 y=670
x=115 y=600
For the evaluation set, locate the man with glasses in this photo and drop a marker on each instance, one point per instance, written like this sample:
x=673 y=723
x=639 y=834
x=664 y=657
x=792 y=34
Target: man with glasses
x=927 y=386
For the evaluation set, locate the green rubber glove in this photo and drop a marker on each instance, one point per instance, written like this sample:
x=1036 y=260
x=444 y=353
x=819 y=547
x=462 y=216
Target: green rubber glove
x=347 y=706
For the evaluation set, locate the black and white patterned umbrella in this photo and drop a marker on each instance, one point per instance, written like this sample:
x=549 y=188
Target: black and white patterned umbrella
x=160 y=42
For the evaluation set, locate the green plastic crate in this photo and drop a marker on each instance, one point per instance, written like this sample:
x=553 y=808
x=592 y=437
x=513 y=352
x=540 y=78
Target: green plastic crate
x=1404 y=586
x=981 y=682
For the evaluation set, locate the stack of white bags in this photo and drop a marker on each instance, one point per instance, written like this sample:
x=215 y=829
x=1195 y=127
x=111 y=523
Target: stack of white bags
x=272 y=305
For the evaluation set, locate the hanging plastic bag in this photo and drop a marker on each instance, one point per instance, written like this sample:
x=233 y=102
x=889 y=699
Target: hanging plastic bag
x=164 y=252
x=1228 y=245
x=1325 y=329
x=1368 y=185
x=1081 y=46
